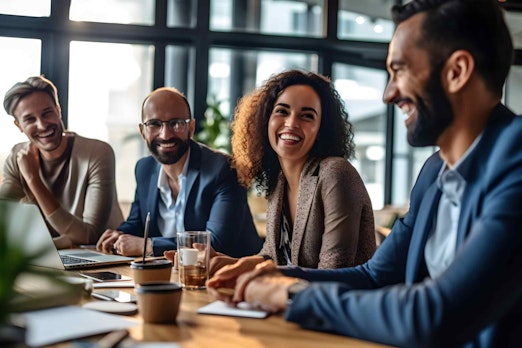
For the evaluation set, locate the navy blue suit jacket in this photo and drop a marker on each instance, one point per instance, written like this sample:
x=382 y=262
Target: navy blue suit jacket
x=215 y=202
x=476 y=301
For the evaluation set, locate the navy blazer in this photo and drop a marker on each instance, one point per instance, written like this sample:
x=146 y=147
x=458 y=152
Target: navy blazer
x=215 y=202
x=476 y=301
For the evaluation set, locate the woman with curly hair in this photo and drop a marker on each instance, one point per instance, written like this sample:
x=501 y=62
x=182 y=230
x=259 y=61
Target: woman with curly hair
x=291 y=139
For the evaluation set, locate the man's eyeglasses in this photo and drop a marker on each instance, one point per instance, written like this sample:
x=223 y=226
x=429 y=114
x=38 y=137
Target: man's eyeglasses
x=177 y=125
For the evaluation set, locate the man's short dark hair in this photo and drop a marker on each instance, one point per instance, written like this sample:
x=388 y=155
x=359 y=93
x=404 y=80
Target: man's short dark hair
x=477 y=26
x=22 y=89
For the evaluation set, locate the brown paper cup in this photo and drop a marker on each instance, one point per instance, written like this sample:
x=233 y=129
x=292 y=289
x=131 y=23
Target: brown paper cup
x=158 y=302
x=151 y=271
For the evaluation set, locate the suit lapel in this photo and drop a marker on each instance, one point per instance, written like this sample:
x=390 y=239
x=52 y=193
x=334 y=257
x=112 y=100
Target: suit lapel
x=307 y=188
x=152 y=201
x=473 y=169
x=193 y=168
x=274 y=215
x=423 y=225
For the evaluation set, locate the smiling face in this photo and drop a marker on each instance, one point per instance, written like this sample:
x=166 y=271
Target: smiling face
x=40 y=120
x=415 y=85
x=166 y=145
x=294 y=123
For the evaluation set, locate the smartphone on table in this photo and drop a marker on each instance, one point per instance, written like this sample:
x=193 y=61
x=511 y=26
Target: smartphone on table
x=104 y=276
x=114 y=295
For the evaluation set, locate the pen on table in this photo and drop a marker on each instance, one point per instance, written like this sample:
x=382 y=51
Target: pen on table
x=113 y=339
x=146 y=236
x=110 y=340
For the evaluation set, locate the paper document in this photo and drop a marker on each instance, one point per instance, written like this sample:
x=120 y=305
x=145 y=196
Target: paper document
x=243 y=310
x=121 y=284
x=66 y=323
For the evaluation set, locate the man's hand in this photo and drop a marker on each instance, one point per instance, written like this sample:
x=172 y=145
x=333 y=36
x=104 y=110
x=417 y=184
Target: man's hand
x=227 y=277
x=172 y=256
x=129 y=245
x=219 y=261
x=265 y=287
x=107 y=239
x=29 y=163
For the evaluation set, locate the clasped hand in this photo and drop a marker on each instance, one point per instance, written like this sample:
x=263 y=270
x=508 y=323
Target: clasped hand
x=261 y=285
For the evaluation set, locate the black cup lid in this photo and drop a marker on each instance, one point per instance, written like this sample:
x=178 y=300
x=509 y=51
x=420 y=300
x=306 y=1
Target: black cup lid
x=157 y=287
x=158 y=264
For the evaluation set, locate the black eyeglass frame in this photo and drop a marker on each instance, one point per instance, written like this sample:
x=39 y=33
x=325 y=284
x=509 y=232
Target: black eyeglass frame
x=175 y=124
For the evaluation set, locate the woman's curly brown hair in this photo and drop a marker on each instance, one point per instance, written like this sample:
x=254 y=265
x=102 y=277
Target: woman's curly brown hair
x=253 y=157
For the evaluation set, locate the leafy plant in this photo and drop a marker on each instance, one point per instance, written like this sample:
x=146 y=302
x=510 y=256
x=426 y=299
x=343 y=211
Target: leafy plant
x=12 y=263
x=215 y=127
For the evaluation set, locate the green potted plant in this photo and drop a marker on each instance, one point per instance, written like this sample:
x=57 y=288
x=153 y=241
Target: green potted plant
x=215 y=127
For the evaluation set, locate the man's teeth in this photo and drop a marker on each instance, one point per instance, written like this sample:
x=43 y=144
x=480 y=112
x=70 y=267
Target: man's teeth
x=44 y=135
x=289 y=137
x=168 y=145
x=406 y=109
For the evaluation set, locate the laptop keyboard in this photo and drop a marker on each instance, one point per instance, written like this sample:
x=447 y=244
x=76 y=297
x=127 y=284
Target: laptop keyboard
x=71 y=260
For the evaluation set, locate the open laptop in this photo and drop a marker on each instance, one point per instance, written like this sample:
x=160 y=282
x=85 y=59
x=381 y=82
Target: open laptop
x=26 y=227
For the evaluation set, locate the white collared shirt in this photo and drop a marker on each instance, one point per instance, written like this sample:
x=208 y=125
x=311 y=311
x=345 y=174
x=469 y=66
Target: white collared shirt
x=171 y=217
x=441 y=245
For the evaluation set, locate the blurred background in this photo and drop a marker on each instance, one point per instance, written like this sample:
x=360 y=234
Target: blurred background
x=105 y=56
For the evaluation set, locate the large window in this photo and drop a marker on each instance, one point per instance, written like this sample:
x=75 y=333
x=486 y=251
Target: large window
x=105 y=56
x=232 y=73
x=283 y=17
x=107 y=82
x=362 y=89
x=17 y=62
x=113 y=11
x=364 y=20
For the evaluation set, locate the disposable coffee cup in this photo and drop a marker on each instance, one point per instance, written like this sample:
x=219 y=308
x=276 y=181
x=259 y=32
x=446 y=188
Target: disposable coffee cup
x=193 y=258
x=158 y=302
x=151 y=271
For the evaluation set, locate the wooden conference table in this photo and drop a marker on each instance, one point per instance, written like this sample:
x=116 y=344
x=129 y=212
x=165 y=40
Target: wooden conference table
x=212 y=331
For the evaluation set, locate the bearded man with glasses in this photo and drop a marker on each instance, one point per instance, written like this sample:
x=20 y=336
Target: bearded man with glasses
x=184 y=185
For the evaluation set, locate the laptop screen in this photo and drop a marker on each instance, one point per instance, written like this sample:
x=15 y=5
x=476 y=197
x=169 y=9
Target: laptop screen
x=27 y=229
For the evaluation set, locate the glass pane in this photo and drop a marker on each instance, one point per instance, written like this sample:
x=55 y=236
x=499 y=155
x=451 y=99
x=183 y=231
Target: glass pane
x=367 y=20
x=290 y=17
x=362 y=89
x=177 y=66
x=30 y=8
x=514 y=21
x=113 y=11
x=181 y=13
x=107 y=84
x=20 y=59
x=250 y=69
x=407 y=162
x=514 y=89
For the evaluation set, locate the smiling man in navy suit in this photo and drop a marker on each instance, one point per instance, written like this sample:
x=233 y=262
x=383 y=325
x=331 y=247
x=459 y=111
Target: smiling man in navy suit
x=450 y=272
x=184 y=185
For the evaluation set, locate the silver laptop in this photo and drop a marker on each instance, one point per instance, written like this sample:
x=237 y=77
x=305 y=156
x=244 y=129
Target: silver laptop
x=26 y=227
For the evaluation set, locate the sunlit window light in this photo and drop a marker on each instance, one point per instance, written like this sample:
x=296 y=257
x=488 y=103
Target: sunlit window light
x=378 y=28
x=219 y=70
x=352 y=90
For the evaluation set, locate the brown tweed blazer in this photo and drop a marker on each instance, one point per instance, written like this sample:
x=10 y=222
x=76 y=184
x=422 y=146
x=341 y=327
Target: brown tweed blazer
x=333 y=225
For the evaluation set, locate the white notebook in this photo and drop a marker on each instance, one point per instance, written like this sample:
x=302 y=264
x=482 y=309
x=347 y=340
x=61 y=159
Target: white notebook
x=242 y=310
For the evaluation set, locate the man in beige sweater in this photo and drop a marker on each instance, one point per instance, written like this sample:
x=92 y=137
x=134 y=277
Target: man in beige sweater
x=70 y=178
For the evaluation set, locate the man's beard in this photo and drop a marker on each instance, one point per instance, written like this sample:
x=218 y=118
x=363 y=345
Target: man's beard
x=433 y=115
x=170 y=157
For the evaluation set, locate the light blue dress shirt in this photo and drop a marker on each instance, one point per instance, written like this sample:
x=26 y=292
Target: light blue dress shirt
x=172 y=214
x=442 y=242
